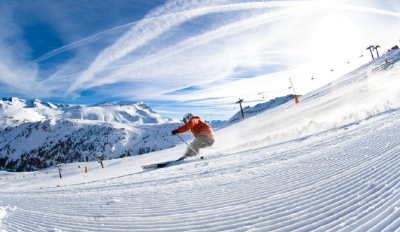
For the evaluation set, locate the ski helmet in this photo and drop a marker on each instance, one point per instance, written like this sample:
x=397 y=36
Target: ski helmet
x=187 y=117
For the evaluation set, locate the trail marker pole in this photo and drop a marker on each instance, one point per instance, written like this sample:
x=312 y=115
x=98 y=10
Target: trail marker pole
x=100 y=157
x=59 y=169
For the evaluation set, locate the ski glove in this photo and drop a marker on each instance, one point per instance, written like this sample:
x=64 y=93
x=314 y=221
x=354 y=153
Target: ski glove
x=174 y=132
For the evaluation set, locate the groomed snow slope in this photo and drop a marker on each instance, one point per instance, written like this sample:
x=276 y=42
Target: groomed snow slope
x=330 y=163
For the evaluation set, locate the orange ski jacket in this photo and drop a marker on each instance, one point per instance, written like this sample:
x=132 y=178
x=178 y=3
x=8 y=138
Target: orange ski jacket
x=198 y=127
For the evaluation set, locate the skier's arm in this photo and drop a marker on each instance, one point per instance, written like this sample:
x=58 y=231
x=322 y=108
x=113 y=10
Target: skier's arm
x=186 y=127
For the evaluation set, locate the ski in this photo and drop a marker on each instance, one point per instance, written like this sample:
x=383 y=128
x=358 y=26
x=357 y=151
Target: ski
x=149 y=167
x=158 y=165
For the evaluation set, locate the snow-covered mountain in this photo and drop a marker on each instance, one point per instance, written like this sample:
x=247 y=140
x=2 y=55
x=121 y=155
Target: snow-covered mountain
x=329 y=163
x=122 y=112
x=34 y=103
x=39 y=134
x=15 y=111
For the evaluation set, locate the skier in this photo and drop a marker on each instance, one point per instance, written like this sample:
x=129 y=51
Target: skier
x=203 y=133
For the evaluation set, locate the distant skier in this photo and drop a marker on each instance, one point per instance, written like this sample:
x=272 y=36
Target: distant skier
x=203 y=133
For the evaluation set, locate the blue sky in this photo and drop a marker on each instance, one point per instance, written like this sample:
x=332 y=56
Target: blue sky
x=185 y=56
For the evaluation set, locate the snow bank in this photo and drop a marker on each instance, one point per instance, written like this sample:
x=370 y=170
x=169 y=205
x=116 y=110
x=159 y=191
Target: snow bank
x=5 y=210
x=356 y=96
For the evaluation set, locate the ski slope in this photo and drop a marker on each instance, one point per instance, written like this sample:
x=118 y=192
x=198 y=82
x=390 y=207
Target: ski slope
x=330 y=163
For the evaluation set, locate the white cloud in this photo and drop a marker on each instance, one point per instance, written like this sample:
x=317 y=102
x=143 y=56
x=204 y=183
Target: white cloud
x=14 y=51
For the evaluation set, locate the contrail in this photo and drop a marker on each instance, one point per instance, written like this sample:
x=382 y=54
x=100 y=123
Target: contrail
x=241 y=6
x=149 y=28
x=143 y=33
x=77 y=43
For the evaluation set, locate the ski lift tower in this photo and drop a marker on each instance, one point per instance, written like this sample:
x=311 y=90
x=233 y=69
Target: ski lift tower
x=296 y=99
x=370 y=48
x=241 y=108
x=376 y=49
x=84 y=156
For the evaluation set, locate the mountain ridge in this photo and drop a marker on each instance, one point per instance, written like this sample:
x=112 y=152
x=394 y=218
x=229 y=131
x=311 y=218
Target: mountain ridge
x=67 y=134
